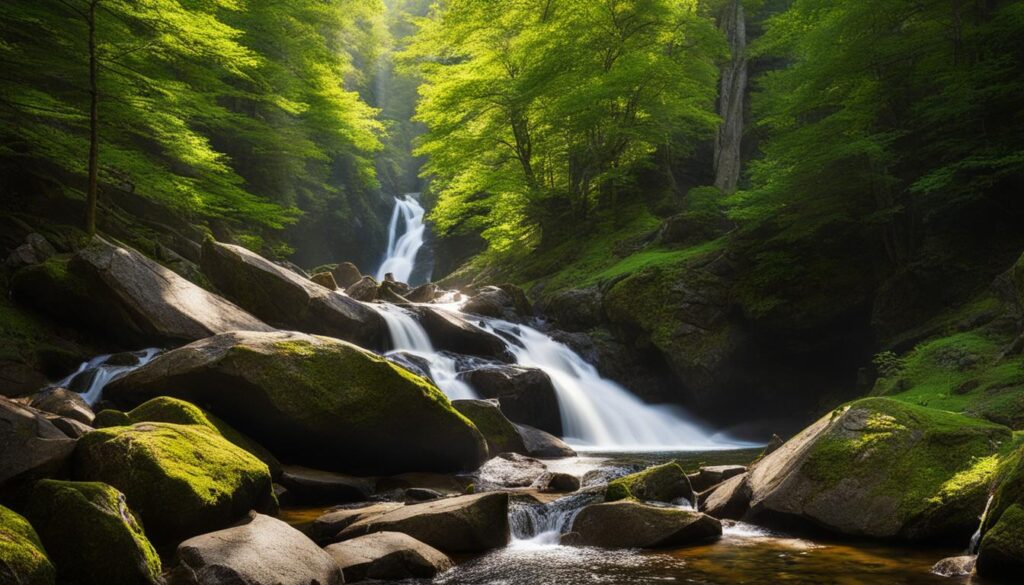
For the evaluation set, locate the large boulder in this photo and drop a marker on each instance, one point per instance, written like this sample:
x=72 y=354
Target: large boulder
x=282 y=297
x=181 y=479
x=172 y=410
x=575 y=309
x=501 y=435
x=631 y=524
x=525 y=395
x=23 y=560
x=729 y=500
x=709 y=476
x=543 y=445
x=31 y=447
x=883 y=469
x=1001 y=554
x=126 y=296
x=451 y=332
x=65 y=403
x=493 y=301
x=261 y=551
x=468 y=524
x=91 y=534
x=660 y=483
x=365 y=289
x=321 y=402
x=325 y=279
x=387 y=555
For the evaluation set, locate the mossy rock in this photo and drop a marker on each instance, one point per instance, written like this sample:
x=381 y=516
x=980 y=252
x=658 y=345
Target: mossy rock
x=109 y=417
x=23 y=560
x=172 y=410
x=500 y=433
x=182 y=480
x=1002 y=549
x=317 y=401
x=1002 y=546
x=885 y=469
x=91 y=533
x=660 y=483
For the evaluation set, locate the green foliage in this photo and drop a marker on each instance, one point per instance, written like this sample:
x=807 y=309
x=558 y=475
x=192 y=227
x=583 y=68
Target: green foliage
x=229 y=109
x=539 y=112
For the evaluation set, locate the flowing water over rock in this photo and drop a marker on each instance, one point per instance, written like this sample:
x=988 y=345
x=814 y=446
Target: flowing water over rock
x=599 y=414
x=400 y=258
x=92 y=376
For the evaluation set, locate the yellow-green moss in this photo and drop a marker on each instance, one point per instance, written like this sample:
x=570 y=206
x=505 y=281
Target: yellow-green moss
x=23 y=560
x=173 y=410
x=501 y=435
x=109 y=417
x=181 y=479
x=932 y=463
x=92 y=534
x=662 y=483
x=1002 y=549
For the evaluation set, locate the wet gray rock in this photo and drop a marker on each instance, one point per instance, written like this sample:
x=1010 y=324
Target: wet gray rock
x=365 y=289
x=313 y=486
x=346 y=274
x=525 y=395
x=387 y=555
x=31 y=447
x=64 y=403
x=325 y=529
x=510 y=470
x=543 y=445
x=261 y=551
x=452 y=332
x=629 y=524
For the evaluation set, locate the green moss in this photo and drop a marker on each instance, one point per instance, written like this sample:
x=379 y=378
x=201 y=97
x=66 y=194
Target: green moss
x=946 y=462
x=501 y=435
x=23 y=560
x=660 y=483
x=1002 y=548
x=962 y=372
x=92 y=534
x=172 y=410
x=109 y=417
x=181 y=479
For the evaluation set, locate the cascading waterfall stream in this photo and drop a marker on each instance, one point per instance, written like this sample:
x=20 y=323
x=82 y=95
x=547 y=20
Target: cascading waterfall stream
x=400 y=258
x=598 y=414
x=103 y=373
x=536 y=524
x=409 y=337
x=972 y=548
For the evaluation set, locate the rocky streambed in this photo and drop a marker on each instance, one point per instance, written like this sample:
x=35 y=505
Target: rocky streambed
x=273 y=442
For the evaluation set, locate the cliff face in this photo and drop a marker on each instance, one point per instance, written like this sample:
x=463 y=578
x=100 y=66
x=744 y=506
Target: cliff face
x=731 y=99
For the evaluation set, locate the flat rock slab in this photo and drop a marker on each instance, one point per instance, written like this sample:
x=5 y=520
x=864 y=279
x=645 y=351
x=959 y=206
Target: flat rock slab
x=387 y=555
x=318 y=486
x=326 y=528
x=467 y=524
x=262 y=551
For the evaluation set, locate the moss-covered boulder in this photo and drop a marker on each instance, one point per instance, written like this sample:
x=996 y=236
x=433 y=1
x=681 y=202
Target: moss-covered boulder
x=173 y=410
x=660 y=483
x=181 y=479
x=91 y=534
x=882 y=468
x=501 y=435
x=23 y=560
x=1001 y=555
x=318 y=401
x=110 y=417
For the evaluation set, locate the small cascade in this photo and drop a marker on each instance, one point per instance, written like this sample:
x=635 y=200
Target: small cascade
x=100 y=373
x=598 y=413
x=409 y=337
x=972 y=549
x=544 y=524
x=400 y=258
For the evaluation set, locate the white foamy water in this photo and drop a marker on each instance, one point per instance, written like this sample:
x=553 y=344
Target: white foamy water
x=597 y=413
x=409 y=337
x=105 y=374
x=405 y=240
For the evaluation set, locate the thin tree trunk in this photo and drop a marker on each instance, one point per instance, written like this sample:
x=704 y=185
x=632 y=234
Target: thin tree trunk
x=731 y=98
x=94 y=121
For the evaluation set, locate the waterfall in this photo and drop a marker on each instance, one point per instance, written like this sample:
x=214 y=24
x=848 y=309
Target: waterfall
x=103 y=373
x=598 y=413
x=543 y=524
x=409 y=337
x=972 y=549
x=400 y=258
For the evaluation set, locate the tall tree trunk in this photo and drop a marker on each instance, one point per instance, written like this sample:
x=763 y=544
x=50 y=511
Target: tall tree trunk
x=94 y=121
x=731 y=98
